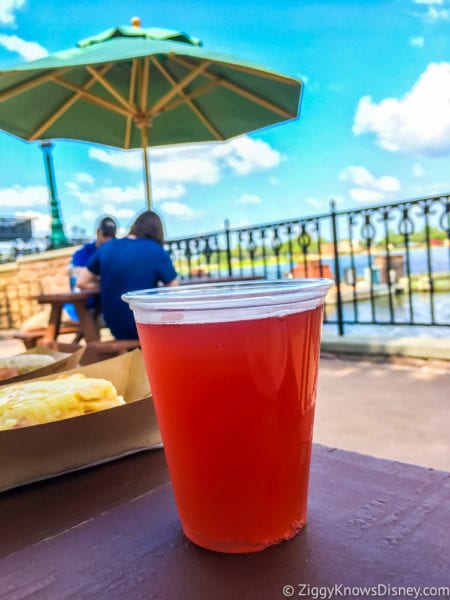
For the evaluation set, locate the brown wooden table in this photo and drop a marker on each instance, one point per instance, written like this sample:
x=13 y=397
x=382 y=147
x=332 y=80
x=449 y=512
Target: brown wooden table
x=87 y=323
x=113 y=532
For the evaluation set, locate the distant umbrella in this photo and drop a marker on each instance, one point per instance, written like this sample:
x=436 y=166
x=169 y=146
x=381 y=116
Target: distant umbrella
x=131 y=87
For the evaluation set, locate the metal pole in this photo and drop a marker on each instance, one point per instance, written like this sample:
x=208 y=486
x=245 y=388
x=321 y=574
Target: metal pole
x=144 y=142
x=228 y=249
x=337 y=276
x=57 y=236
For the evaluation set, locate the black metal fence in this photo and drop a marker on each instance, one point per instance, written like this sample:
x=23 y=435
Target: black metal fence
x=390 y=263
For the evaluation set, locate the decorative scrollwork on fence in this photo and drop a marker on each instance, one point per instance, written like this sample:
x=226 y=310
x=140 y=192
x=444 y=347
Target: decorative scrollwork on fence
x=276 y=242
x=406 y=225
x=444 y=219
x=368 y=230
x=304 y=239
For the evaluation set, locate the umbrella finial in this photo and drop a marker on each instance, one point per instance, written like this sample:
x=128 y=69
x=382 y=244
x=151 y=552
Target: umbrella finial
x=135 y=21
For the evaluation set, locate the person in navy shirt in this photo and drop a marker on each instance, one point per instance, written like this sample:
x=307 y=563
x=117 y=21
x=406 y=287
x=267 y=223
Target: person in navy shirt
x=137 y=261
x=106 y=231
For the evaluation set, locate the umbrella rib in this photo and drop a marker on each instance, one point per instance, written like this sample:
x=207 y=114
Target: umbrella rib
x=257 y=99
x=198 y=70
x=111 y=89
x=241 y=91
x=187 y=99
x=92 y=98
x=29 y=84
x=194 y=94
x=257 y=72
x=64 y=107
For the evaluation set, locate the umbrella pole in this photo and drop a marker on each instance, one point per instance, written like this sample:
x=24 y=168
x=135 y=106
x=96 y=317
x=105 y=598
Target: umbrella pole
x=144 y=139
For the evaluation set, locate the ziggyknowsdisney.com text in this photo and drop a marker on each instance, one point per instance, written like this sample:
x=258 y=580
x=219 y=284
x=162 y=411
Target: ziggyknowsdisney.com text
x=381 y=590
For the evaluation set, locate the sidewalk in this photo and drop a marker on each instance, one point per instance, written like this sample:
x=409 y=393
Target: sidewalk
x=394 y=411
x=386 y=410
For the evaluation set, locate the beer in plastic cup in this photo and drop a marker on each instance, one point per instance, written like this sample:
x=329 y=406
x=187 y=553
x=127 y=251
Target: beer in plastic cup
x=233 y=373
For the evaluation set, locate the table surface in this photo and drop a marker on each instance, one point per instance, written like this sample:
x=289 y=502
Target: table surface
x=112 y=532
x=66 y=297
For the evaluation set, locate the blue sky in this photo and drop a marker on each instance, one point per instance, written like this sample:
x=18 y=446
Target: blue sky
x=374 y=125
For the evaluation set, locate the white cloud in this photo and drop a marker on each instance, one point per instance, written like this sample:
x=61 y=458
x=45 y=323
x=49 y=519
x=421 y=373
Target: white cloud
x=418 y=123
x=314 y=202
x=433 y=10
x=189 y=169
x=27 y=50
x=418 y=170
x=23 y=197
x=84 y=178
x=434 y=14
x=245 y=222
x=119 y=159
x=366 y=187
x=245 y=155
x=247 y=198
x=7 y=10
x=162 y=191
x=180 y=210
x=172 y=169
x=202 y=164
x=112 y=195
x=362 y=195
x=418 y=42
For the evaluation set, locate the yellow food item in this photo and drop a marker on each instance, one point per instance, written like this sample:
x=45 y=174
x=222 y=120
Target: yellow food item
x=36 y=402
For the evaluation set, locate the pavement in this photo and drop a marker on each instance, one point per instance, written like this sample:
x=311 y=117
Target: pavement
x=394 y=411
x=368 y=404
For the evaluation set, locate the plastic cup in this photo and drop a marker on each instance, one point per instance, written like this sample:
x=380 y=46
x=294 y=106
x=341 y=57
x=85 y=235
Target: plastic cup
x=233 y=372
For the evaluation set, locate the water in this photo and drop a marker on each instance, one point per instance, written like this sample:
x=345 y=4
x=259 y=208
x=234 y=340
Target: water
x=421 y=305
x=420 y=308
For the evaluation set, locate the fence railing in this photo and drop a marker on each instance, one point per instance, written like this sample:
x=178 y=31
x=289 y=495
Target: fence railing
x=390 y=262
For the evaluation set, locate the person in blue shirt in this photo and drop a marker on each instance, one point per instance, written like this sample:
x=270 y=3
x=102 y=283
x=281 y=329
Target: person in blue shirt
x=137 y=261
x=106 y=231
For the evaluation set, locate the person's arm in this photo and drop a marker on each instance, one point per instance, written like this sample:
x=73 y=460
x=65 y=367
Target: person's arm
x=166 y=271
x=87 y=280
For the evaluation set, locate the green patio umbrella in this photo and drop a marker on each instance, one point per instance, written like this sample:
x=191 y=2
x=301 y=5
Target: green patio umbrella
x=131 y=87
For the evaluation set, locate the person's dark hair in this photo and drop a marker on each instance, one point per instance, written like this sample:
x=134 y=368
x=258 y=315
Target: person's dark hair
x=148 y=225
x=108 y=227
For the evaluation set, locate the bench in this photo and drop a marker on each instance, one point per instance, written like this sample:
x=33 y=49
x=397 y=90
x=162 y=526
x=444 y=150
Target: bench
x=34 y=337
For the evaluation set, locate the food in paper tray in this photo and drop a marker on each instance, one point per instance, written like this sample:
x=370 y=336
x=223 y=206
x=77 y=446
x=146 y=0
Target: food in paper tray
x=12 y=366
x=36 y=402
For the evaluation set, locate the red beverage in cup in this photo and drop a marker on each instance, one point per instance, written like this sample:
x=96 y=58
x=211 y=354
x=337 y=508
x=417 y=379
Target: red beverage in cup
x=234 y=391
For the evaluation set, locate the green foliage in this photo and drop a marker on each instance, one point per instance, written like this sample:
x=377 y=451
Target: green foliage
x=418 y=237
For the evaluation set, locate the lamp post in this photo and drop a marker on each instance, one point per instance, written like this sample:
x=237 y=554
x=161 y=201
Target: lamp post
x=57 y=236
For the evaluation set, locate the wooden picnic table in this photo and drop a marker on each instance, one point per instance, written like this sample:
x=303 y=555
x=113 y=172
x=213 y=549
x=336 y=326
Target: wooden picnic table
x=88 y=327
x=112 y=531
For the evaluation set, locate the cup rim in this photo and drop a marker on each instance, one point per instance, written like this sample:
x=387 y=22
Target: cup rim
x=252 y=293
